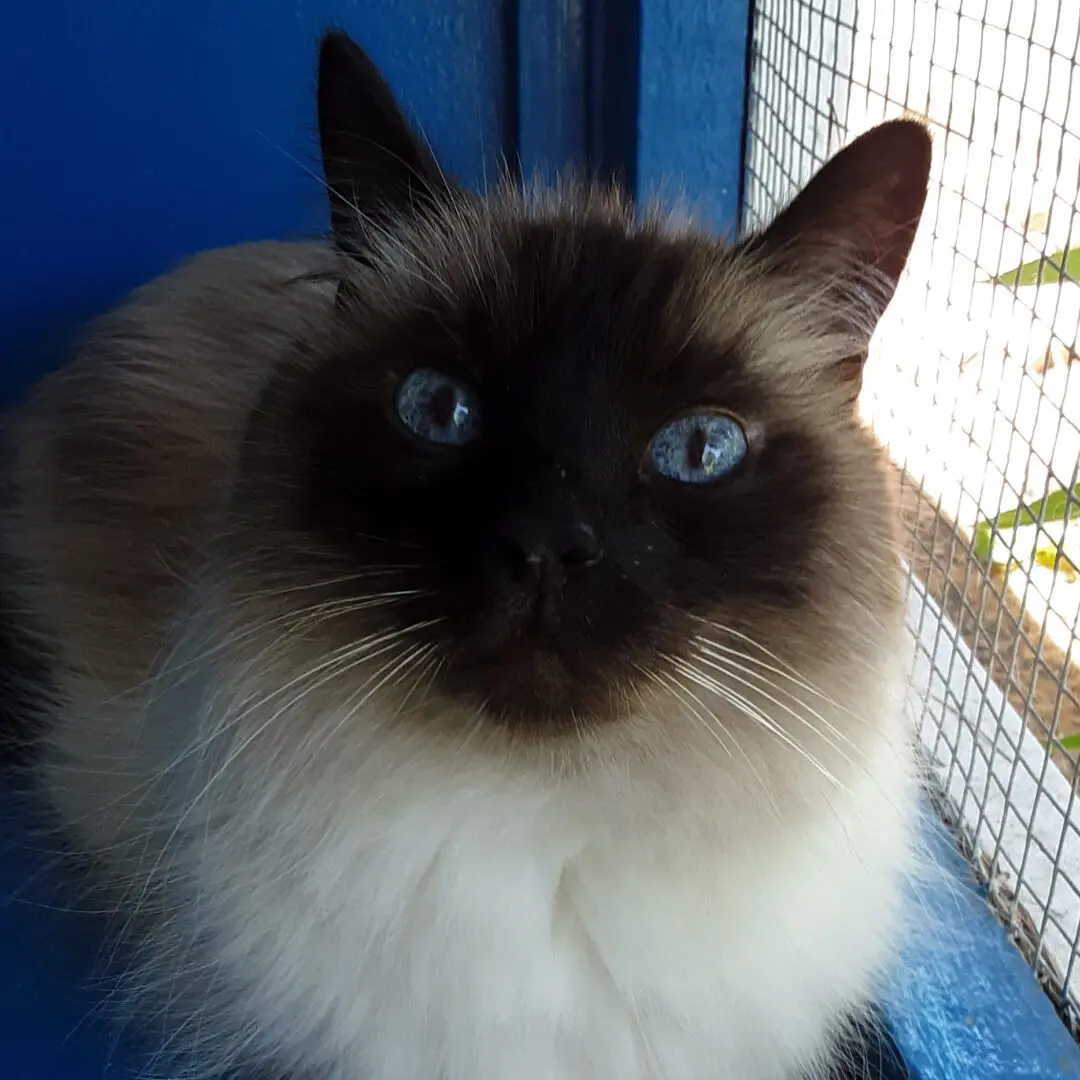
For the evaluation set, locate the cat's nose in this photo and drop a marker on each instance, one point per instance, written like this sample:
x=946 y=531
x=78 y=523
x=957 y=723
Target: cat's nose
x=533 y=548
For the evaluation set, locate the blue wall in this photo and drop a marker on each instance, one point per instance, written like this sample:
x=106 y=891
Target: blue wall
x=693 y=69
x=134 y=132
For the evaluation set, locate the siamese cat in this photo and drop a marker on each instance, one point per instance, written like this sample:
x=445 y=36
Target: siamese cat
x=471 y=646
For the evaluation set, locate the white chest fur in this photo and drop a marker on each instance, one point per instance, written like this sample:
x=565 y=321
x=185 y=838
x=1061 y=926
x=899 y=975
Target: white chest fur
x=472 y=928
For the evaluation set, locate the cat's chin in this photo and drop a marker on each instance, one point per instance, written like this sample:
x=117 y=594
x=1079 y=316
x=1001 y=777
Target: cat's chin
x=536 y=687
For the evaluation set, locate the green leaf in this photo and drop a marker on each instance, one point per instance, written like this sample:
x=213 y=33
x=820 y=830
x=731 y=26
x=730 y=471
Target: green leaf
x=1071 y=743
x=1047 y=556
x=983 y=542
x=1045 y=270
x=1051 y=507
x=990 y=543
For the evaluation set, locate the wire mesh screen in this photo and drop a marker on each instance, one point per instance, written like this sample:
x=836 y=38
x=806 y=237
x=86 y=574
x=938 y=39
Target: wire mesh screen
x=972 y=385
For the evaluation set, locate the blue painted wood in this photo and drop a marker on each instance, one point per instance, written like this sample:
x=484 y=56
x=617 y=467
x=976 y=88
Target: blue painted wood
x=965 y=1004
x=693 y=69
x=132 y=134
x=613 y=83
x=577 y=87
x=552 y=105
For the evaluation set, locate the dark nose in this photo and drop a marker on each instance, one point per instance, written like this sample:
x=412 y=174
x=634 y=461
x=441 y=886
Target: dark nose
x=533 y=548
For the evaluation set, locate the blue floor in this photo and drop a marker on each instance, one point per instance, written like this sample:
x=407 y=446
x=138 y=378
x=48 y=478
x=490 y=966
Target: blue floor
x=50 y=1027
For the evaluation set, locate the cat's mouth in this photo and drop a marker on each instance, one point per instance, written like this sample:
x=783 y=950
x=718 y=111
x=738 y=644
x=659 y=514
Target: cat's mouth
x=532 y=679
x=546 y=649
x=539 y=690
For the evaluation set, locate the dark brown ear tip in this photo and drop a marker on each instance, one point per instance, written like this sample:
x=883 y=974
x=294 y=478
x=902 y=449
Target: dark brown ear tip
x=338 y=51
x=334 y=39
x=915 y=135
x=906 y=140
x=333 y=42
x=347 y=75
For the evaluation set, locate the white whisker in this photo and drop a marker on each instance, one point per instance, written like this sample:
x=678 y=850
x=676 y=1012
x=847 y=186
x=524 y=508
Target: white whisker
x=336 y=664
x=831 y=735
x=752 y=712
x=708 y=719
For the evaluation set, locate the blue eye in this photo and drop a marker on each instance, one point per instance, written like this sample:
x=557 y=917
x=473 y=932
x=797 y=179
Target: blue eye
x=437 y=408
x=698 y=448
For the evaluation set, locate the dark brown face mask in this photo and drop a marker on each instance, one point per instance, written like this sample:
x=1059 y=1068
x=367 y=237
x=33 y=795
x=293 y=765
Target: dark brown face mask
x=588 y=431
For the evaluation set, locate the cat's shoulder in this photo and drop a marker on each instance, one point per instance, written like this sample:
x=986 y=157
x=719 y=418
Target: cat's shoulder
x=269 y=281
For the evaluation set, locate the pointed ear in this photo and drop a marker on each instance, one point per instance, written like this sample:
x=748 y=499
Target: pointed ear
x=852 y=226
x=375 y=166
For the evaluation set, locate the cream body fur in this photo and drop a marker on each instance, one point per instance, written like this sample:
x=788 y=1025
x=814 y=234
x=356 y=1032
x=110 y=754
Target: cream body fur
x=397 y=909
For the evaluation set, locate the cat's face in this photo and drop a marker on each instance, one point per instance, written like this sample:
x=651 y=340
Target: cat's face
x=563 y=455
x=579 y=449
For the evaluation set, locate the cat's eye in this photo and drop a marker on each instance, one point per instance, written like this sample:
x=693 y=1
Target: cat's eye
x=697 y=448
x=437 y=408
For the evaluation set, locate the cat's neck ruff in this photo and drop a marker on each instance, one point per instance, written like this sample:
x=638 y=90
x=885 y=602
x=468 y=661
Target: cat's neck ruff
x=396 y=917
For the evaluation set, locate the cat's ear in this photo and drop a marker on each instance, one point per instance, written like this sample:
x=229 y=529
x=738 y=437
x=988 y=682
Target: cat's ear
x=374 y=163
x=851 y=228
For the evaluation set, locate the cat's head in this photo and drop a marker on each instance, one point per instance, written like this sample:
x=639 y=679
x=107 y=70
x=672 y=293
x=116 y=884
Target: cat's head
x=550 y=458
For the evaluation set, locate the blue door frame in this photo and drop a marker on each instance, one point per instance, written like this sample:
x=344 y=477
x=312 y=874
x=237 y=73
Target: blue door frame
x=647 y=90
x=135 y=134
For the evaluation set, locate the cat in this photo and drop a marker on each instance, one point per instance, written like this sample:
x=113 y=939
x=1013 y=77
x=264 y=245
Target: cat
x=473 y=644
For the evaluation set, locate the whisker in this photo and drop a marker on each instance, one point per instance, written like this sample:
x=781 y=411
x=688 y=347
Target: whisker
x=752 y=712
x=326 y=583
x=707 y=717
x=732 y=669
x=791 y=672
x=335 y=664
x=147 y=785
x=167 y=664
x=774 y=669
x=397 y=666
x=729 y=733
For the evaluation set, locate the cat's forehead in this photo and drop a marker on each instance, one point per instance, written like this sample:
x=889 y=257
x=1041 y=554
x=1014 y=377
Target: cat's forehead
x=572 y=284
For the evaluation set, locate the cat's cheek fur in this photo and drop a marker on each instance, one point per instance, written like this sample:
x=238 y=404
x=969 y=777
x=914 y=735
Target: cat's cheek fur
x=392 y=915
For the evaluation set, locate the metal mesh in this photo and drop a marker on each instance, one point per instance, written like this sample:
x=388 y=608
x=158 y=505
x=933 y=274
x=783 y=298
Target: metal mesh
x=973 y=388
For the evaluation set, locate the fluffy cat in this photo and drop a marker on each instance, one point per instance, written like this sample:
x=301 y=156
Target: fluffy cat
x=474 y=644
